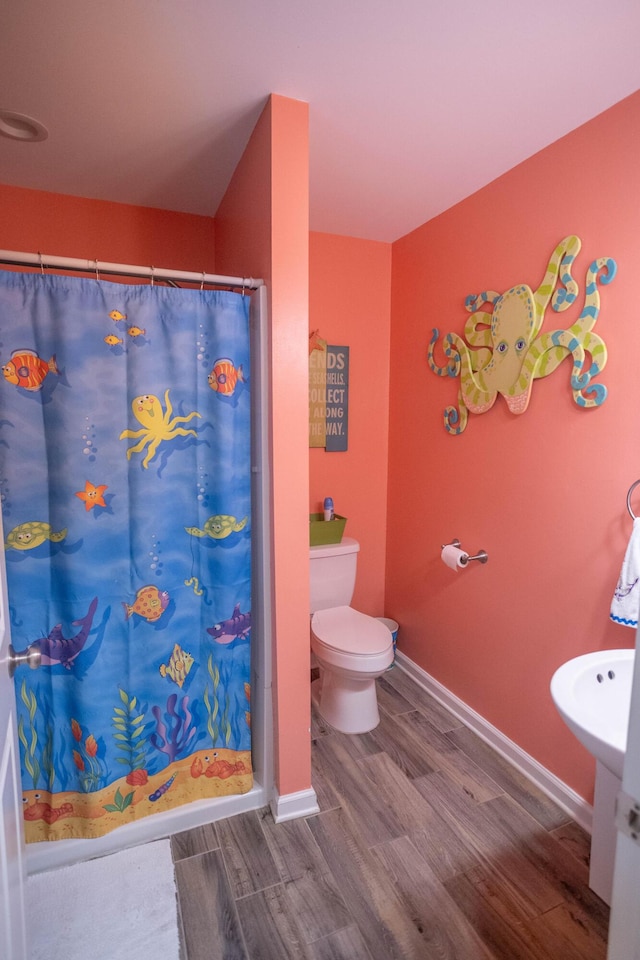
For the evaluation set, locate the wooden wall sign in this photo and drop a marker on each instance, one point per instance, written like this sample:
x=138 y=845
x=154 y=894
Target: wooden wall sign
x=328 y=395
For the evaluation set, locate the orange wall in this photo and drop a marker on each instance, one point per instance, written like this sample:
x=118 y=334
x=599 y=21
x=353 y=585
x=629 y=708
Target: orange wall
x=544 y=493
x=32 y=220
x=263 y=226
x=349 y=303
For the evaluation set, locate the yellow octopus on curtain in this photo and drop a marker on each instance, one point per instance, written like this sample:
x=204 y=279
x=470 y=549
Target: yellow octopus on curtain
x=505 y=350
x=143 y=622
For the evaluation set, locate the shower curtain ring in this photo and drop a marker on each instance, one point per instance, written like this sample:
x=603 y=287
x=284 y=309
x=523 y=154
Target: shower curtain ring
x=41 y=264
x=152 y=269
x=97 y=271
x=202 y=281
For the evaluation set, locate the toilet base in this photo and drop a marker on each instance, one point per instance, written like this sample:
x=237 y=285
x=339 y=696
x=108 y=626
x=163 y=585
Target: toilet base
x=347 y=704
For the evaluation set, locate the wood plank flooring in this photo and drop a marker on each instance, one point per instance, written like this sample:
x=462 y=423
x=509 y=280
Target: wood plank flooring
x=428 y=846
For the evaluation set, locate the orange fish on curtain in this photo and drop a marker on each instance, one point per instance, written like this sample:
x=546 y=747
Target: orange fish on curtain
x=150 y=603
x=225 y=376
x=27 y=370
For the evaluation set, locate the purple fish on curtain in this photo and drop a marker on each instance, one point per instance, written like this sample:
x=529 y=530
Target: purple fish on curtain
x=125 y=483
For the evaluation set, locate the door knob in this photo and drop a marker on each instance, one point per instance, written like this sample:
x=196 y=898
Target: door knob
x=30 y=656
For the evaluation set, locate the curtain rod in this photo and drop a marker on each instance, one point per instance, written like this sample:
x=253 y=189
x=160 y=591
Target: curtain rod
x=97 y=267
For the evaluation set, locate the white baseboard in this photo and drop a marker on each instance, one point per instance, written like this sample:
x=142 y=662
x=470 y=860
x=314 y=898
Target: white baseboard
x=572 y=803
x=289 y=806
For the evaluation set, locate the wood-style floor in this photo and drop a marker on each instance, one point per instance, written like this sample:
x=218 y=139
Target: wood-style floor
x=428 y=845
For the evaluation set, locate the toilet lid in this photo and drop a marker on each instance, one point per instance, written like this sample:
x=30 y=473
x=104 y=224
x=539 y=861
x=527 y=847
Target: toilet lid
x=350 y=631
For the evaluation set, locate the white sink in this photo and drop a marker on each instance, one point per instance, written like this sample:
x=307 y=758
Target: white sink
x=593 y=695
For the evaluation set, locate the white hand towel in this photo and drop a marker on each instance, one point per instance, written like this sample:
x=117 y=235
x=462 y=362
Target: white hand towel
x=625 y=605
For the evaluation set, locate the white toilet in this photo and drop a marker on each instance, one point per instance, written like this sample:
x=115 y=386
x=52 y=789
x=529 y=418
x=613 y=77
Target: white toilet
x=351 y=648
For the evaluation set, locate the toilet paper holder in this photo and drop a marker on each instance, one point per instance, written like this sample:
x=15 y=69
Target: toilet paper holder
x=481 y=555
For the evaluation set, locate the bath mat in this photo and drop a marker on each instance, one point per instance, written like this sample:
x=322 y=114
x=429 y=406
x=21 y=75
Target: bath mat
x=120 y=906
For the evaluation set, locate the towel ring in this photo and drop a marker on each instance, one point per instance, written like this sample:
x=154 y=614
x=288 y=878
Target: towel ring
x=631 y=489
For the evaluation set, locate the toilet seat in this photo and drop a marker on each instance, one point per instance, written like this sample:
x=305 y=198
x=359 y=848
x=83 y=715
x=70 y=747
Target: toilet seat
x=349 y=631
x=352 y=651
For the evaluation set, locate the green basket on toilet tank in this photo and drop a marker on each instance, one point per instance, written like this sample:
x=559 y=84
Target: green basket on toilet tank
x=323 y=531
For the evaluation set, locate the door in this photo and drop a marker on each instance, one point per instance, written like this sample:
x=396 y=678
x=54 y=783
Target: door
x=12 y=878
x=624 y=927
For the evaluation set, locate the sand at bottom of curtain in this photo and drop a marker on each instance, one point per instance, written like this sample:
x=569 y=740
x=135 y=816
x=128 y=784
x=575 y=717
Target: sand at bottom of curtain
x=203 y=775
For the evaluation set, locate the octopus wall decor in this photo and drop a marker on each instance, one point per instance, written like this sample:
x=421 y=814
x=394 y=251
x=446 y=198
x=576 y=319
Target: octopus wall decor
x=504 y=350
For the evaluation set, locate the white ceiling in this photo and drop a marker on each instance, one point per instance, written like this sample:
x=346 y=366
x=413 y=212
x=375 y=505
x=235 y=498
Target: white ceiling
x=414 y=104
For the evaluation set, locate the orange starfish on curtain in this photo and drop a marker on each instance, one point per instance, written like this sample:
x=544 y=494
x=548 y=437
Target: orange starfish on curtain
x=92 y=495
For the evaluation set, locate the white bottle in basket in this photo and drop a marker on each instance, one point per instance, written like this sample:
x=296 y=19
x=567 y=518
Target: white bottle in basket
x=328 y=508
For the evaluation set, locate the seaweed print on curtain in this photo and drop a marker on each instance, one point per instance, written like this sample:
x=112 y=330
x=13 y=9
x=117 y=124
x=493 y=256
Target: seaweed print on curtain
x=125 y=484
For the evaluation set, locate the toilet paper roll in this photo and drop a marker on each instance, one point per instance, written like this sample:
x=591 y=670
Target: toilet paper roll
x=454 y=557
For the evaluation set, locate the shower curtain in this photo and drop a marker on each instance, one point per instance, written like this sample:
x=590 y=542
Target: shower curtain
x=125 y=477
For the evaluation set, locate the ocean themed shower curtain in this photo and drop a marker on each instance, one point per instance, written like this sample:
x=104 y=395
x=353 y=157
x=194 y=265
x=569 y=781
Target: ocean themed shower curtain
x=125 y=478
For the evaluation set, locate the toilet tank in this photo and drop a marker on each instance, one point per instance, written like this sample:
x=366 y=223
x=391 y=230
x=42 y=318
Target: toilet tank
x=332 y=572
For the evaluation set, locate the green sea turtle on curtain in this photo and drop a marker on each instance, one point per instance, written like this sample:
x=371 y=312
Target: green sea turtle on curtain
x=119 y=445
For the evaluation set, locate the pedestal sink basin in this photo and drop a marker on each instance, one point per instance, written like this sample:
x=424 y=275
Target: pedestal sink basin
x=593 y=695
